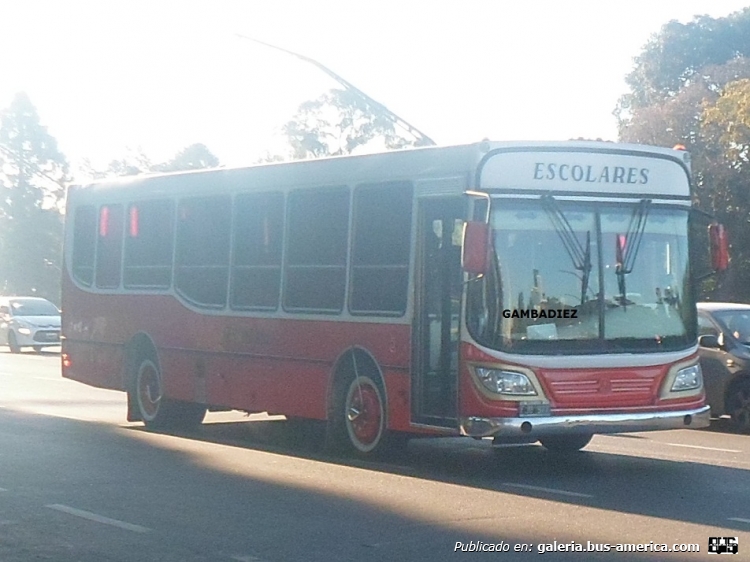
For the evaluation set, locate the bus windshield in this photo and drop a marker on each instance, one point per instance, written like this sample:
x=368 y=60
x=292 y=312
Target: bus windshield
x=576 y=277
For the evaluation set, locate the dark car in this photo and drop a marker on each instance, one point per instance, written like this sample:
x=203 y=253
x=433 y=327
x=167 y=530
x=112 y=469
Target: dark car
x=724 y=338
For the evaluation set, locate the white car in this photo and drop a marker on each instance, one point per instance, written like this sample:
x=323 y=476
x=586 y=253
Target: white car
x=28 y=322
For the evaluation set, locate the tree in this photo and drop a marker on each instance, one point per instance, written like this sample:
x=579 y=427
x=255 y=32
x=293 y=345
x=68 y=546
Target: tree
x=33 y=172
x=194 y=157
x=341 y=122
x=677 y=55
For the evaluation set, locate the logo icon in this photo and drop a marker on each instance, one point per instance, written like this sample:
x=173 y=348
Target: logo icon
x=723 y=545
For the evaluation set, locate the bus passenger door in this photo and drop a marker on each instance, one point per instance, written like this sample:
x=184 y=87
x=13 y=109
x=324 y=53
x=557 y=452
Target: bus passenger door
x=439 y=282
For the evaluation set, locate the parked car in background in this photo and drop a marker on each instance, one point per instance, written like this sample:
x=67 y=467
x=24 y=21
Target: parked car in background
x=28 y=322
x=724 y=339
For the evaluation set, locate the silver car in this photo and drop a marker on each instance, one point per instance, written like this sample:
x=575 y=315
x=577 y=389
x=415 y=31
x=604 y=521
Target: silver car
x=28 y=322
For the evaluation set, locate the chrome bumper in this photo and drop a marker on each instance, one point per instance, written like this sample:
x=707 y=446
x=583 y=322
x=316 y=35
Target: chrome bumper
x=586 y=423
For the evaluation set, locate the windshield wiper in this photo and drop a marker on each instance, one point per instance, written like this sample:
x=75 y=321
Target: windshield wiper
x=579 y=254
x=627 y=246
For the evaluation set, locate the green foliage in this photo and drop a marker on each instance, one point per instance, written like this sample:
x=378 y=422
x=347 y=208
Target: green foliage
x=33 y=172
x=341 y=122
x=677 y=55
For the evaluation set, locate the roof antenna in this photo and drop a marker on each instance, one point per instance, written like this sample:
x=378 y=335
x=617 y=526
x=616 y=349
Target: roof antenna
x=422 y=139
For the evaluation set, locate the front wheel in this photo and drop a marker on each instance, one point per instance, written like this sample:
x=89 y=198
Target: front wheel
x=566 y=443
x=358 y=422
x=13 y=343
x=738 y=406
x=155 y=410
x=364 y=415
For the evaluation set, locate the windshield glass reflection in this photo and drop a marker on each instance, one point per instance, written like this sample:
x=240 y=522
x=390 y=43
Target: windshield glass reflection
x=574 y=277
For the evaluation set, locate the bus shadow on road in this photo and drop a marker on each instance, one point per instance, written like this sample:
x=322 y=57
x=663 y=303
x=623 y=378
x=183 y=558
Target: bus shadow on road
x=620 y=479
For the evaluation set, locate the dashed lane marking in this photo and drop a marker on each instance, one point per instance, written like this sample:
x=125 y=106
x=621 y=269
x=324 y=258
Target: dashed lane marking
x=548 y=490
x=98 y=518
x=703 y=448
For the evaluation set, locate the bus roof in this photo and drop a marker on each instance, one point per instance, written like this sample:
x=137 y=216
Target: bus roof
x=432 y=162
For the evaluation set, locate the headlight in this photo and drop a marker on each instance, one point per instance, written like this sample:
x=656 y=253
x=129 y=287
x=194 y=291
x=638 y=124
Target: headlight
x=688 y=378
x=24 y=331
x=505 y=382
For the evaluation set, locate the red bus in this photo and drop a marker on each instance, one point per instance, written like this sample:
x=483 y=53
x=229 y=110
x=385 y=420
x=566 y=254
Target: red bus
x=522 y=291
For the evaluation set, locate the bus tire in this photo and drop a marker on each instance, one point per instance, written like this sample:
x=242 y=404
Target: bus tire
x=358 y=424
x=13 y=343
x=154 y=409
x=566 y=444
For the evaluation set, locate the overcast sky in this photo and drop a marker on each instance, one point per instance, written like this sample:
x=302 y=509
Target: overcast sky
x=109 y=76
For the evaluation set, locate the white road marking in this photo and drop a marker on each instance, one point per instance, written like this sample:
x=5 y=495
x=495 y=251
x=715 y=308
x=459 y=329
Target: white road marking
x=740 y=519
x=98 y=518
x=548 y=490
x=3 y=490
x=702 y=448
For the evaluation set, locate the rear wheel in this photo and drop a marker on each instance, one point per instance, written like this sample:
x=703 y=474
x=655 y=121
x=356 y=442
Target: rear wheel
x=156 y=411
x=13 y=343
x=566 y=443
x=738 y=406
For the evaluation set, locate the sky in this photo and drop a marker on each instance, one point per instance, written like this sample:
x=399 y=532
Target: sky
x=112 y=78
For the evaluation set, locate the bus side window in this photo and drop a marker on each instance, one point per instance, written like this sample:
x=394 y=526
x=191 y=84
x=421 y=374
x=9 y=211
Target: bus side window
x=148 y=245
x=202 y=250
x=109 y=247
x=84 y=244
x=317 y=241
x=256 y=259
x=380 y=248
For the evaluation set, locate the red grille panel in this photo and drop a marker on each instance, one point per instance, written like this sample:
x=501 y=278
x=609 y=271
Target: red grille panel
x=603 y=388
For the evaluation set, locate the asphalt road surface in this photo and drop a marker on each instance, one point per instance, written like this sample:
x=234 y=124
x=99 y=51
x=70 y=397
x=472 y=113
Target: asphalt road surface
x=78 y=483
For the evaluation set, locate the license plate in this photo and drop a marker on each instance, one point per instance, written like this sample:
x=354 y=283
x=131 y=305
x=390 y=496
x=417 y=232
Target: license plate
x=534 y=409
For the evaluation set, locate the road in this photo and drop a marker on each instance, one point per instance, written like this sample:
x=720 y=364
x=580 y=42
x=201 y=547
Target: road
x=78 y=483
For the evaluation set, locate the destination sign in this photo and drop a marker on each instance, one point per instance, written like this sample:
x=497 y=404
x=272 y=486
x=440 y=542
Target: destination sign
x=557 y=170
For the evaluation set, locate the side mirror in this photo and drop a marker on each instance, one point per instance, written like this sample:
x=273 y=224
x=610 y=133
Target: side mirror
x=719 y=244
x=709 y=340
x=475 y=256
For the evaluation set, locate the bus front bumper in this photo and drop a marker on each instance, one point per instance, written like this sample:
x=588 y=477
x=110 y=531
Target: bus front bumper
x=529 y=427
